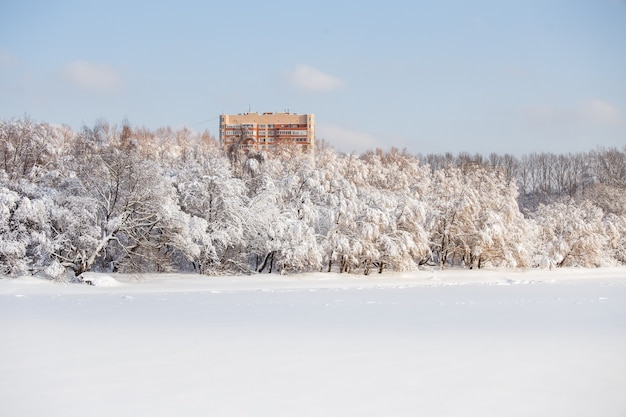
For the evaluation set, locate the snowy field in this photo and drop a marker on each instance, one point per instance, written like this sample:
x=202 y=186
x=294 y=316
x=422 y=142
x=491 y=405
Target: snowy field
x=430 y=343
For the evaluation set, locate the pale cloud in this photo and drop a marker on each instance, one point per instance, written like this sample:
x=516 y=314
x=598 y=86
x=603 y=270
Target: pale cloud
x=592 y=112
x=346 y=140
x=543 y=114
x=92 y=77
x=602 y=112
x=312 y=80
x=7 y=60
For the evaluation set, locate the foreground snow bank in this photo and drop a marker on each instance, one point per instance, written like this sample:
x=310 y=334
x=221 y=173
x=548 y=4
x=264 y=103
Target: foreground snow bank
x=99 y=280
x=446 y=343
x=146 y=283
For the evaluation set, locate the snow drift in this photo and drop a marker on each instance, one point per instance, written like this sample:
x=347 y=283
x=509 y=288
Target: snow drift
x=451 y=343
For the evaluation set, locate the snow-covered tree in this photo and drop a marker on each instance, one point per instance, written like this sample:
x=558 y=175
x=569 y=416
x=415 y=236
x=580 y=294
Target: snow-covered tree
x=454 y=207
x=286 y=196
x=342 y=244
x=118 y=202
x=384 y=242
x=498 y=236
x=411 y=214
x=475 y=219
x=120 y=198
x=217 y=204
x=570 y=234
x=26 y=235
x=615 y=229
x=26 y=146
x=13 y=236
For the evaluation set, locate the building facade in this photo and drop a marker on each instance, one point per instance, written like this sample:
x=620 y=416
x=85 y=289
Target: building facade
x=261 y=132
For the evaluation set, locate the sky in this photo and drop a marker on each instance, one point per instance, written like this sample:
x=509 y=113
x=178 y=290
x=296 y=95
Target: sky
x=503 y=76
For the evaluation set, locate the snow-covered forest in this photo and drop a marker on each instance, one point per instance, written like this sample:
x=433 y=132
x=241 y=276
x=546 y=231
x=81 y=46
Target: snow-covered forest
x=125 y=199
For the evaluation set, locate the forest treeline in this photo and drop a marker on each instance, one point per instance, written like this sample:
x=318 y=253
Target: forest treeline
x=126 y=199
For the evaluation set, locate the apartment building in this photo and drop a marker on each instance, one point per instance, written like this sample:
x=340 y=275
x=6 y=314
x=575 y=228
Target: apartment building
x=259 y=132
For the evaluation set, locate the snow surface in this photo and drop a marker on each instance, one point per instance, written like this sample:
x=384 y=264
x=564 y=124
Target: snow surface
x=429 y=343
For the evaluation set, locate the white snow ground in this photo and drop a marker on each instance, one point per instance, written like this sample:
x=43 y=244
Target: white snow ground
x=430 y=343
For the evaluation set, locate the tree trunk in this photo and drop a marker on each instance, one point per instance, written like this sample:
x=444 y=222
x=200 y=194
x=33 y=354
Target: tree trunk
x=85 y=265
x=269 y=256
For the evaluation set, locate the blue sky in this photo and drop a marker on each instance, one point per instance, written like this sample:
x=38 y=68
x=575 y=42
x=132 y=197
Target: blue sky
x=429 y=76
